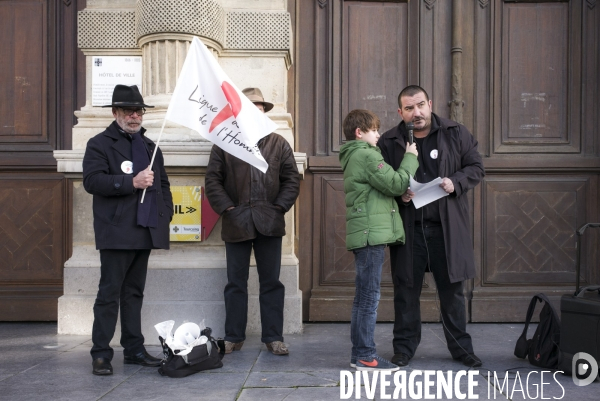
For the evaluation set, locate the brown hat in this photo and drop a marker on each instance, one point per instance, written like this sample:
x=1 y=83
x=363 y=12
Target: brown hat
x=256 y=96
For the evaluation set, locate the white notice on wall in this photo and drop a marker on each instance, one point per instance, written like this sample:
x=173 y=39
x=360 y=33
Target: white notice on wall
x=109 y=71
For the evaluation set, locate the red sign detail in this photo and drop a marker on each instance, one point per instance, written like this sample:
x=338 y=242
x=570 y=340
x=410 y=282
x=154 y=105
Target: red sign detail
x=209 y=217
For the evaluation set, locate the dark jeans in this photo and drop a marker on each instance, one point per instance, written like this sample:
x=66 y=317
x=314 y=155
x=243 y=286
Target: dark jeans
x=122 y=282
x=267 y=251
x=368 y=262
x=428 y=249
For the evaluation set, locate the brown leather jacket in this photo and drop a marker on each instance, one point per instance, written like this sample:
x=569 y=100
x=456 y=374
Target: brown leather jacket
x=260 y=200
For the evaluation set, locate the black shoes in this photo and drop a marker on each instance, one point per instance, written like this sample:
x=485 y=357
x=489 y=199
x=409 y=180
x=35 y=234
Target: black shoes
x=470 y=360
x=102 y=367
x=400 y=359
x=143 y=359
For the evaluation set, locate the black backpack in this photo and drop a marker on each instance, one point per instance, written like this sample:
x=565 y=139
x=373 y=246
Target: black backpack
x=199 y=359
x=543 y=349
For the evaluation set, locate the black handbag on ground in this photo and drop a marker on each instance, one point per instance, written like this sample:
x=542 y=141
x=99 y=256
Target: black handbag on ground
x=543 y=349
x=202 y=357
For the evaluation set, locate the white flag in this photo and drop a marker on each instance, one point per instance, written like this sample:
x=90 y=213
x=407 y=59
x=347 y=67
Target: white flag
x=206 y=101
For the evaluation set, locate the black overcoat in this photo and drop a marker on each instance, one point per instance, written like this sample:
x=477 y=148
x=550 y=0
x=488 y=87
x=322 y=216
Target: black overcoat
x=255 y=195
x=459 y=160
x=115 y=199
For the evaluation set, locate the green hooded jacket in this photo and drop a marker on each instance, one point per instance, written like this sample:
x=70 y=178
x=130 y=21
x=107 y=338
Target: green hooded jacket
x=370 y=185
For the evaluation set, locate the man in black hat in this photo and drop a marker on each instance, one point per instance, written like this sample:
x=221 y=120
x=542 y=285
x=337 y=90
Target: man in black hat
x=253 y=205
x=116 y=172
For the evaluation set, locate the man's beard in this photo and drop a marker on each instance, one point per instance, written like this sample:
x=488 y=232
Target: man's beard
x=123 y=123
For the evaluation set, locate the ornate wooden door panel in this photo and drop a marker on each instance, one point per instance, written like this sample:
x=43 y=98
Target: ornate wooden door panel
x=39 y=68
x=532 y=230
x=542 y=179
x=539 y=79
x=529 y=241
x=23 y=76
x=373 y=59
x=32 y=245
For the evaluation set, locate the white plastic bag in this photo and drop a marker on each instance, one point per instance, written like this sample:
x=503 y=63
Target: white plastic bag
x=185 y=338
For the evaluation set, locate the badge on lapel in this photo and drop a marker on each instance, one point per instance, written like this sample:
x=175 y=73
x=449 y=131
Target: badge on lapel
x=127 y=167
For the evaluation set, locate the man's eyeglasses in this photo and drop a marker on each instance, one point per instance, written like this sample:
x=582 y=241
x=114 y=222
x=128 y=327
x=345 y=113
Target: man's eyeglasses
x=129 y=112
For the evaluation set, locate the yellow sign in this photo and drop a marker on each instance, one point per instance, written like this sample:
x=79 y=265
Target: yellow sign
x=187 y=205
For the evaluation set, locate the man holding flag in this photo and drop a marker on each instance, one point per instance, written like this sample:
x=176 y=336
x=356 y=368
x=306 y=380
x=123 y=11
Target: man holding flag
x=251 y=180
x=253 y=203
x=116 y=172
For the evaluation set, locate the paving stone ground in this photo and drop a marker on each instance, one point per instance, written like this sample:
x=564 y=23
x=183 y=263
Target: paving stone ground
x=36 y=363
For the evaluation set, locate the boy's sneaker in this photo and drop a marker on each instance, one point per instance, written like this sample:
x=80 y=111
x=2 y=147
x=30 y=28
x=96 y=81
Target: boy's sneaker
x=377 y=363
x=353 y=362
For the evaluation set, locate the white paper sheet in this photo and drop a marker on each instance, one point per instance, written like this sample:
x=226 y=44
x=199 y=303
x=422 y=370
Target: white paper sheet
x=426 y=193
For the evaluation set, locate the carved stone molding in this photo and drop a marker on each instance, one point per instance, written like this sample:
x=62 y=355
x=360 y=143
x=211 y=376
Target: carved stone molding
x=205 y=18
x=484 y=3
x=591 y=3
x=429 y=4
x=106 y=29
x=322 y=3
x=226 y=30
x=258 y=30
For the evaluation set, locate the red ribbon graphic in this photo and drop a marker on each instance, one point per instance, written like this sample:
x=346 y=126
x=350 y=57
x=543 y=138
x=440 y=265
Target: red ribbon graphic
x=232 y=109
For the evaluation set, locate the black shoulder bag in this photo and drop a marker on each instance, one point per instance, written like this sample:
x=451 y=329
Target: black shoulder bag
x=543 y=349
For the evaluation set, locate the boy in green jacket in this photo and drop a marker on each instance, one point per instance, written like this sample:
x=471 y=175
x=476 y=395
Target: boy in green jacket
x=372 y=222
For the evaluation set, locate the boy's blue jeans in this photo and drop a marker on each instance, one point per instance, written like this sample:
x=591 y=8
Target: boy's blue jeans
x=368 y=262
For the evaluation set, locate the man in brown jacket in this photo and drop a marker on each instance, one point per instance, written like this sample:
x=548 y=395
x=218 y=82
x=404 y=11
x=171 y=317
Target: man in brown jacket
x=253 y=205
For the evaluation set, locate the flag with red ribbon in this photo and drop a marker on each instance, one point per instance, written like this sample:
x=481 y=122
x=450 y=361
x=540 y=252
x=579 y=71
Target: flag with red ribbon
x=208 y=102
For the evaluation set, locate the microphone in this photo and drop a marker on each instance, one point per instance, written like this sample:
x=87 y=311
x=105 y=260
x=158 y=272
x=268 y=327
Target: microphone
x=410 y=127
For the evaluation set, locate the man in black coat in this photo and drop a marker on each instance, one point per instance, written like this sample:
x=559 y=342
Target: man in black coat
x=253 y=205
x=116 y=172
x=437 y=235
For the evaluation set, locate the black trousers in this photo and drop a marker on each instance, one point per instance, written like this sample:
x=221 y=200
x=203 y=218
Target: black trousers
x=267 y=251
x=122 y=282
x=429 y=249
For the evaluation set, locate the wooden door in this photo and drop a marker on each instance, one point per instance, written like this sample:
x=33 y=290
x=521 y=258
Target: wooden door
x=529 y=94
x=361 y=52
x=39 y=69
x=539 y=102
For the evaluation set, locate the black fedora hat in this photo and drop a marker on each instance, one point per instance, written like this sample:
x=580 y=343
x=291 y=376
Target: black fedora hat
x=127 y=96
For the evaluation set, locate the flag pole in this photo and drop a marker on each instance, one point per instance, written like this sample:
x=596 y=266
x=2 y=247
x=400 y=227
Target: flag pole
x=154 y=153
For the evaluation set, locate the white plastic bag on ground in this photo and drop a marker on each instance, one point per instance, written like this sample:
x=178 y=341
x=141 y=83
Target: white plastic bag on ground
x=185 y=338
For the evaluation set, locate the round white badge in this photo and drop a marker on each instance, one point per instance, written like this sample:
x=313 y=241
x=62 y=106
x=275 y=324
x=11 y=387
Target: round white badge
x=434 y=154
x=127 y=167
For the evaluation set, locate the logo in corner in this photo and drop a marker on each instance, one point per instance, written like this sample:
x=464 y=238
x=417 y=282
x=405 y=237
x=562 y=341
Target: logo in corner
x=584 y=369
